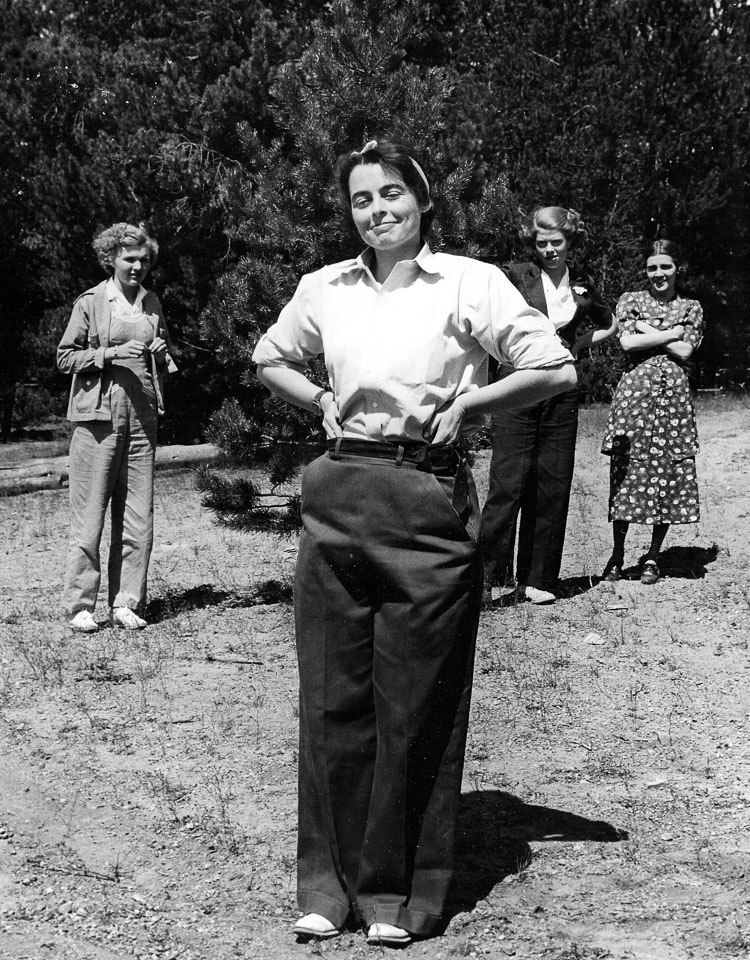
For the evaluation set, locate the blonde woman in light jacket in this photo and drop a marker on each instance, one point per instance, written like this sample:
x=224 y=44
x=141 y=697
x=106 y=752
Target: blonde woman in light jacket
x=116 y=348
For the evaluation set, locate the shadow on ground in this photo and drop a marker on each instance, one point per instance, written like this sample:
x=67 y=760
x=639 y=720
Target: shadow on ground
x=685 y=563
x=494 y=833
x=175 y=602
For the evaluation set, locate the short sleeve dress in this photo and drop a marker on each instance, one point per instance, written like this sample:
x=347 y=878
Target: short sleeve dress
x=651 y=436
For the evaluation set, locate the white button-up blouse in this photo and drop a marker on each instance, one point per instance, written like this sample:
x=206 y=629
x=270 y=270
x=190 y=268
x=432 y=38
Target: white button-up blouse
x=561 y=304
x=400 y=352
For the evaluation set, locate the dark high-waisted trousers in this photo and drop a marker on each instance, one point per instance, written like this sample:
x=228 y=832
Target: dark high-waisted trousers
x=531 y=473
x=387 y=598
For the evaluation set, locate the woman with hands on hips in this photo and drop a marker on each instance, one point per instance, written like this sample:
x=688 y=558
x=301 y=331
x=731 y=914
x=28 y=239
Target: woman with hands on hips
x=388 y=582
x=533 y=448
x=115 y=346
x=651 y=436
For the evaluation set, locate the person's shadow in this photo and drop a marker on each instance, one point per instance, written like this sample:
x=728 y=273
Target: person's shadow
x=685 y=563
x=494 y=833
x=689 y=563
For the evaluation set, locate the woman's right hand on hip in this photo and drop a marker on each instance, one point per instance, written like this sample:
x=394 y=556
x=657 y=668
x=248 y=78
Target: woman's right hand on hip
x=331 y=421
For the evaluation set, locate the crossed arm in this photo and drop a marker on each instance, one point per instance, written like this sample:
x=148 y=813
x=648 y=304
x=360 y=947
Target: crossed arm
x=649 y=337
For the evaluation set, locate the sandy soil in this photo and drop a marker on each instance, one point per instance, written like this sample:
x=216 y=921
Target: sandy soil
x=147 y=781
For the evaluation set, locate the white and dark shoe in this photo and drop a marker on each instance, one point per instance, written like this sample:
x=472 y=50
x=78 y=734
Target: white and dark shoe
x=314 y=926
x=386 y=935
x=83 y=622
x=534 y=594
x=650 y=572
x=126 y=618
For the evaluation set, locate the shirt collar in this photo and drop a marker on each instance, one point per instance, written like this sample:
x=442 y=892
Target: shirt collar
x=426 y=260
x=563 y=285
x=114 y=293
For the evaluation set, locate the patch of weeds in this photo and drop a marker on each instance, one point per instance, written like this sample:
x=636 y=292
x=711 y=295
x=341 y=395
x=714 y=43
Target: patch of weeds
x=7 y=687
x=167 y=793
x=70 y=864
x=544 y=688
x=607 y=766
x=634 y=697
x=577 y=951
x=640 y=812
x=216 y=820
x=45 y=522
x=44 y=657
x=103 y=670
x=739 y=944
x=118 y=735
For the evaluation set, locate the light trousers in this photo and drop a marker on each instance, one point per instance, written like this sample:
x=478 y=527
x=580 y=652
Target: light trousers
x=112 y=463
x=387 y=599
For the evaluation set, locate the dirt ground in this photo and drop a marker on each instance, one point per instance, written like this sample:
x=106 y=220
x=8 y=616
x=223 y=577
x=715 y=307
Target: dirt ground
x=147 y=781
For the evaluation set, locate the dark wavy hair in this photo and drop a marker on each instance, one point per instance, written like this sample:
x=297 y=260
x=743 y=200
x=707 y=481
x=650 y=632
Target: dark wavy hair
x=398 y=158
x=666 y=248
x=108 y=243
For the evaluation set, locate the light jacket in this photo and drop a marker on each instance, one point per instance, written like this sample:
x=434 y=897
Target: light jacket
x=81 y=352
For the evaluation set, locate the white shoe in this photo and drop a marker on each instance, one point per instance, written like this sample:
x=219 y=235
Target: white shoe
x=386 y=935
x=315 y=925
x=83 y=622
x=535 y=595
x=127 y=618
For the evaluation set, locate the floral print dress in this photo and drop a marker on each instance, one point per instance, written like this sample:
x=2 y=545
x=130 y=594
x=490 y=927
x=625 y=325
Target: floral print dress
x=651 y=435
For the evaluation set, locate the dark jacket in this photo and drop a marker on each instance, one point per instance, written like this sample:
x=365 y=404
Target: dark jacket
x=591 y=312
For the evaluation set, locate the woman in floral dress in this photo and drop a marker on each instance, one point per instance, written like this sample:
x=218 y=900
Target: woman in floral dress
x=651 y=435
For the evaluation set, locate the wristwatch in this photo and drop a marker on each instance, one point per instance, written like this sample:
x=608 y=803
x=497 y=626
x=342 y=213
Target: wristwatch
x=317 y=398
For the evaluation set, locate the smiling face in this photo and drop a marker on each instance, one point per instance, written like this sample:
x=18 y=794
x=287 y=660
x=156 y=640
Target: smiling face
x=552 y=250
x=385 y=211
x=661 y=271
x=131 y=265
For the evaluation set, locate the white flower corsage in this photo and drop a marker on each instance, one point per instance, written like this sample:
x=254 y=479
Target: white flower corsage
x=581 y=291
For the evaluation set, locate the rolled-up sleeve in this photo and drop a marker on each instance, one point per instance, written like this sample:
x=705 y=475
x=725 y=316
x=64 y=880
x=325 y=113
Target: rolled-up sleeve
x=295 y=338
x=514 y=333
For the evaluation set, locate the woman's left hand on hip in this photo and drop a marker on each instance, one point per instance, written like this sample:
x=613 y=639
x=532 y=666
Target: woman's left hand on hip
x=449 y=428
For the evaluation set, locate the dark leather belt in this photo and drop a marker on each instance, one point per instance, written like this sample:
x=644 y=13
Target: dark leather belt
x=417 y=456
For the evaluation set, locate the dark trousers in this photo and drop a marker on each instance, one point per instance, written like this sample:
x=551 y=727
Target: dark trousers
x=387 y=599
x=531 y=472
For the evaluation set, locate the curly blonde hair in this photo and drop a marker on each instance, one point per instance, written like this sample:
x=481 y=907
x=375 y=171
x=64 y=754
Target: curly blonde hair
x=108 y=243
x=568 y=221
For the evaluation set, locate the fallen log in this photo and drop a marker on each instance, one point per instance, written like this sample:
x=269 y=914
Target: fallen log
x=51 y=473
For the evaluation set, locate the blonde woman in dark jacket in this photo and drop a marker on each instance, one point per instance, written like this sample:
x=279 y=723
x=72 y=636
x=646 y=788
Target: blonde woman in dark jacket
x=533 y=449
x=116 y=348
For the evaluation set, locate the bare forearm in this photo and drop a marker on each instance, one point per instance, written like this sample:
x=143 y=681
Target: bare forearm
x=679 y=349
x=291 y=385
x=522 y=388
x=633 y=342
